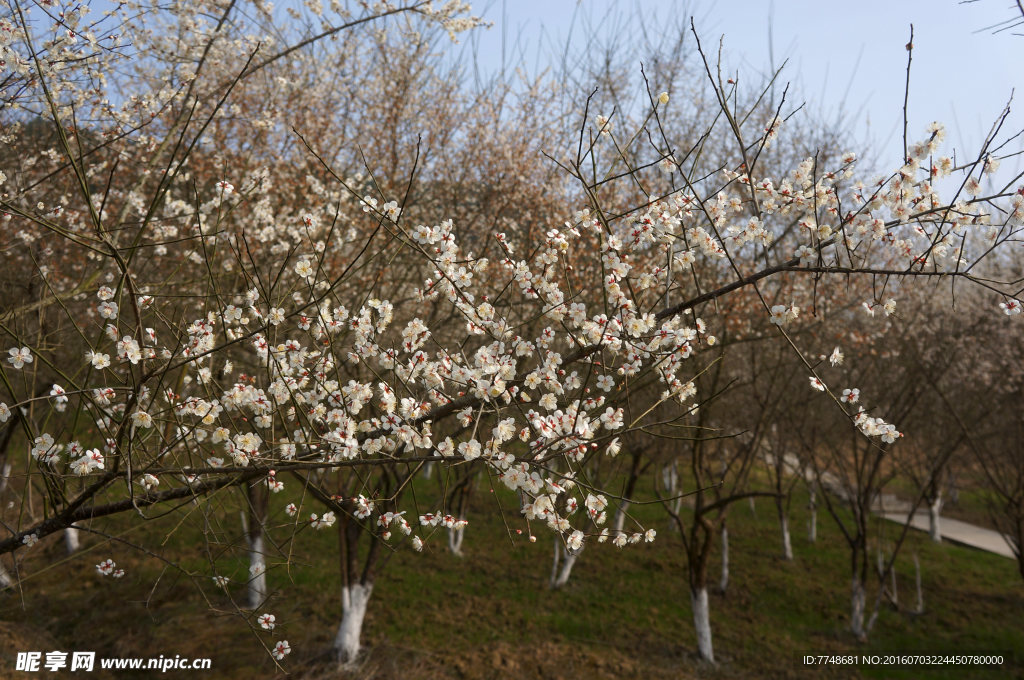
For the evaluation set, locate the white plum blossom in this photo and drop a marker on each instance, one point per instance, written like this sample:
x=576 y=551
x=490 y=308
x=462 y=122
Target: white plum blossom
x=281 y=649
x=1010 y=307
x=19 y=356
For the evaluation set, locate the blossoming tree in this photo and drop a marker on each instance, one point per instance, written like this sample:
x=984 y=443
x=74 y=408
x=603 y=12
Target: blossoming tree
x=218 y=299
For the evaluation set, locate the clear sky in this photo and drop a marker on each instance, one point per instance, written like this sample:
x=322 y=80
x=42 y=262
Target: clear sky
x=842 y=56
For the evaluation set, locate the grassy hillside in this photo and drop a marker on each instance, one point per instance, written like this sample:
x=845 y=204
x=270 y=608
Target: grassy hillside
x=625 y=613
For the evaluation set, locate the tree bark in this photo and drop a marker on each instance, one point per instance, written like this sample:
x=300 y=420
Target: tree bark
x=858 y=601
x=354 y=600
x=723 y=583
x=787 y=543
x=934 y=519
x=72 y=540
x=455 y=537
x=702 y=622
x=257 y=586
x=257 y=496
x=812 y=529
x=620 y=517
x=560 y=576
x=917 y=579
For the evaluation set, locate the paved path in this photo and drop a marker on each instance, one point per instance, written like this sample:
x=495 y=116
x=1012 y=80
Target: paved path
x=953 y=530
x=894 y=509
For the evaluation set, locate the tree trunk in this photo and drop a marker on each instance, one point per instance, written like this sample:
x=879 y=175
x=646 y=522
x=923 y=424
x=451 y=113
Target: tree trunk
x=620 y=517
x=5 y=476
x=455 y=537
x=787 y=544
x=934 y=519
x=812 y=529
x=560 y=576
x=917 y=579
x=895 y=593
x=257 y=586
x=354 y=600
x=702 y=622
x=723 y=584
x=72 y=540
x=670 y=478
x=858 y=601
x=5 y=579
x=252 y=524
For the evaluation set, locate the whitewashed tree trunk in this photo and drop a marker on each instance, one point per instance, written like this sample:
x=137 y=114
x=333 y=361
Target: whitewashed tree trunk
x=5 y=579
x=670 y=478
x=917 y=580
x=428 y=470
x=5 y=476
x=72 y=540
x=787 y=544
x=455 y=537
x=934 y=519
x=620 y=517
x=257 y=586
x=556 y=560
x=724 y=581
x=354 y=600
x=702 y=623
x=812 y=529
x=560 y=576
x=857 y=601
x=753 y=506
x=895 y=593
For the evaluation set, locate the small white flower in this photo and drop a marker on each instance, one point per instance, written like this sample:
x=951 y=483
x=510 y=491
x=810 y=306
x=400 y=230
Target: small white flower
x=304 y=269
x=19 y=356
x=266 y=621
x=98 y=360
x=1010 y=307
x=281 y=650
x=142 y=420
x=817 y=384
x=108 y=310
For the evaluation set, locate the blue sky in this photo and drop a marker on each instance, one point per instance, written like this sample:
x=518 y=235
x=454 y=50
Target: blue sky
x=841 y=55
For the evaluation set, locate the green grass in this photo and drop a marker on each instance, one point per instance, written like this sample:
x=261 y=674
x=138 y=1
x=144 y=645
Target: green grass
x=625 y=613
